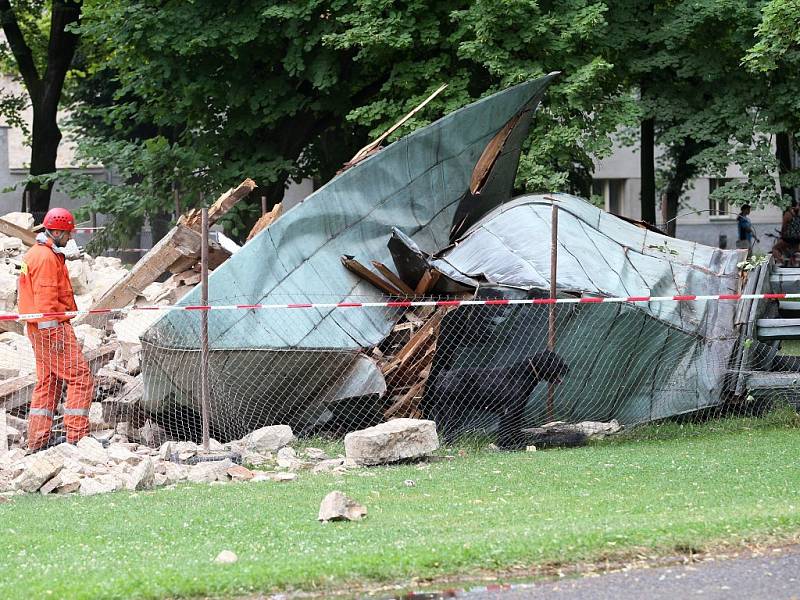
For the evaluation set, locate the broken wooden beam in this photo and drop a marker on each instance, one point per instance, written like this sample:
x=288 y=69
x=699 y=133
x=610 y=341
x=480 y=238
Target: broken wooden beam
x=427 y=281
x=420 y=338
x=178 y=250
x=27 y=236
x=392 y=278
x=222 y=205
x=352 y=265
x=410 y=371
x=179 y=242
x=372 y=146
x=216 y=256
x=265 y=221
x=407 y=402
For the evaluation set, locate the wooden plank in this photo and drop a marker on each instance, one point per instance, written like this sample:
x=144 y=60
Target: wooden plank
x=427 y=281
x=114 y=375
x=417 y=340
x=179 y=242
x=366 y=150
x=352 y=265
x=406 y=402
x=216 y=256
x=392 y=278
x=26 y=235
x=222 y=205
x=410 y=371
x=265 y=221
x=188 y=277
x=485 y=163
x=178 y=249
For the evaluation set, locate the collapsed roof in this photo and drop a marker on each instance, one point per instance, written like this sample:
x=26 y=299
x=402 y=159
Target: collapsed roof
x=441 y=197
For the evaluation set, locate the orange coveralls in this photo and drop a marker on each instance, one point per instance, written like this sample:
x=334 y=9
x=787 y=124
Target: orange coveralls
x=44 y=287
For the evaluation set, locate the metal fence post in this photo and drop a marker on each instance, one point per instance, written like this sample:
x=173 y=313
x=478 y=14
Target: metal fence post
x=204 y=388
x=551 y=321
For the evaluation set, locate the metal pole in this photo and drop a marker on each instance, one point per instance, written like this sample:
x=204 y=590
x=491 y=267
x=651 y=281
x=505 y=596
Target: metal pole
x=551 y=322
x=263 y=205
x=204 y=390
x=26 y=200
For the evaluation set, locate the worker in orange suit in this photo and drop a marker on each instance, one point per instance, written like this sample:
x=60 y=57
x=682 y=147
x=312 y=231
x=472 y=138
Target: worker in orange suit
x=44 y=287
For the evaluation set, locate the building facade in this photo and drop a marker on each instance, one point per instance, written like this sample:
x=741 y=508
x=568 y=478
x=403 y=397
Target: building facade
x=617 y=182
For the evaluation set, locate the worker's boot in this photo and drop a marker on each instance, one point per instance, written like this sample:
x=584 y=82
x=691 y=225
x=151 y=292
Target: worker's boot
x=55 y=440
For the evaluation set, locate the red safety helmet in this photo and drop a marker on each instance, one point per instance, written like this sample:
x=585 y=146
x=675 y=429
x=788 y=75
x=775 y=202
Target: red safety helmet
x=59 y=219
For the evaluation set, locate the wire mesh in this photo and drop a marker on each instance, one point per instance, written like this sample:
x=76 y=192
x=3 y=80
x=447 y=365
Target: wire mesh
x=483 y=369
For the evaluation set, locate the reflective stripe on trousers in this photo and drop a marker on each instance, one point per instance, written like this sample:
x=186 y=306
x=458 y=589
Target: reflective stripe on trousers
x=41 y=412
x=59 y=360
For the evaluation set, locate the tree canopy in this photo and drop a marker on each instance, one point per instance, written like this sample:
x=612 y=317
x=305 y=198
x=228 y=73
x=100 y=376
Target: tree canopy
x=200 y=94
x=190 y=97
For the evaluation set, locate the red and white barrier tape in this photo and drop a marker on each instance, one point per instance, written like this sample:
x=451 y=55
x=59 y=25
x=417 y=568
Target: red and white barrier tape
x=405 y=304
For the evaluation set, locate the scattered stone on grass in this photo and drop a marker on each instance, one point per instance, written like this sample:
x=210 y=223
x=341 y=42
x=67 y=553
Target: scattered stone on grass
x=226 y=557
x=394 y=440
x=338 y=507
x=268 y=438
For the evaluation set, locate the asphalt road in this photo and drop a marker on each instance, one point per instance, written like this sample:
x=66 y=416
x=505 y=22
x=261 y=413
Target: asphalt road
x=774 y=575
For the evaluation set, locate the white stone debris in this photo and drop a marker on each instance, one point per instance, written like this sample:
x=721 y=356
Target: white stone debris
x=395 y=440
x=226 y=557
x=338 y=507
x=88 y=468
x=268 y=438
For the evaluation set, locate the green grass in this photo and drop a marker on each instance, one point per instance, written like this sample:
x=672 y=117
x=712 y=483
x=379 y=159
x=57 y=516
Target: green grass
x=790 y=347
x=659 y=490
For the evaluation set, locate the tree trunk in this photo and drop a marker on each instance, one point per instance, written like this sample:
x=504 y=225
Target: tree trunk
x=682 y=172
x=648 y=171
x=783 y=152
x=44 y=148
x=43 y=90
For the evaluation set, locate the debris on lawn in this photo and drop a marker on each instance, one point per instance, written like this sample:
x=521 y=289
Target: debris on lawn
x=399 y=439
x=338 y=507
x=226 y=557
x=90 y=467
x=112 y=343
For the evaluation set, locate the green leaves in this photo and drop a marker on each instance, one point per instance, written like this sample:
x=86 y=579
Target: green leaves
x=204 y=93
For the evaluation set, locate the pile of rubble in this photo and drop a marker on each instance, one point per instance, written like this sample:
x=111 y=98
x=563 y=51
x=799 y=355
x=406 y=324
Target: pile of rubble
x=91 y=467
x=110 y=341
x=91 y=278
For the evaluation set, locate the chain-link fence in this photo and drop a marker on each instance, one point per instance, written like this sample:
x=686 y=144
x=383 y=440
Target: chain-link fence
x=507 y=370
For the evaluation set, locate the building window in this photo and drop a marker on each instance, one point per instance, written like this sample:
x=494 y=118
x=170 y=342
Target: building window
x=609 y=194
x=717 y=208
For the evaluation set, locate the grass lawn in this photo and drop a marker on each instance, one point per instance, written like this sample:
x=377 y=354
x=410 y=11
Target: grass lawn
x=790 y=347
x=660 y=489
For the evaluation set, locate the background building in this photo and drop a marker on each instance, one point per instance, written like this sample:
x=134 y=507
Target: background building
x=618 y=181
